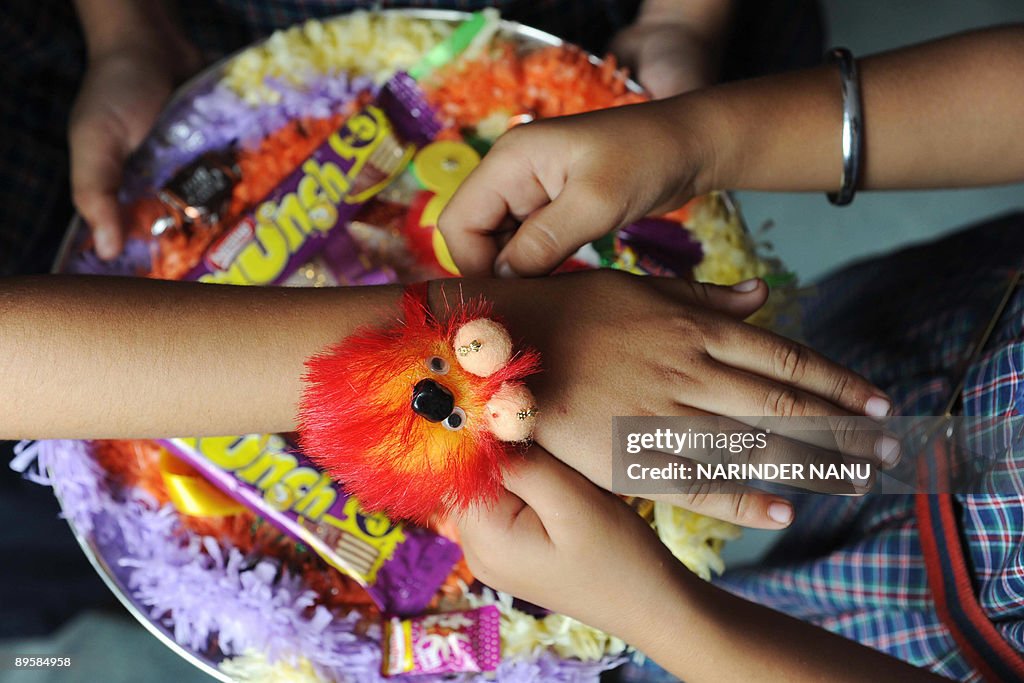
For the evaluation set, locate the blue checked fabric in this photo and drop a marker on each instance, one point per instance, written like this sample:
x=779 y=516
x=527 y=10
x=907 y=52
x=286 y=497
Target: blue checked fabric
x=854 y=566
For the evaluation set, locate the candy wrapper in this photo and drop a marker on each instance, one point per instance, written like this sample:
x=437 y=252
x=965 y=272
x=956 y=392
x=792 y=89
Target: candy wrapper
x=199 y=192
x=658 y=247
x=289 y=226
x=452 y=642
x=400 y=566
x=341 y=263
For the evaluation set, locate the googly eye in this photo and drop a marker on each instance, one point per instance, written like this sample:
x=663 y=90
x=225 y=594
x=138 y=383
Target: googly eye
x=455 y=421
x=437 y=365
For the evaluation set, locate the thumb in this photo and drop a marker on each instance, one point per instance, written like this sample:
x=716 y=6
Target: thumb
x=496 y=536
x=559 y=495
x=554 y=232
x=670 y=77
x=493 y=520
x=740 y=301
x=97 y=159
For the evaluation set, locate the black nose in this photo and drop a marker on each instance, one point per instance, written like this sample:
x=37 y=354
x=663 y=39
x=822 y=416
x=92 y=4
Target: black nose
x=431 y=401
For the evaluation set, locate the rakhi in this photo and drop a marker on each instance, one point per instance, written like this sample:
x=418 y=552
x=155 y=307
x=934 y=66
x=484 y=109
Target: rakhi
x=420 y=418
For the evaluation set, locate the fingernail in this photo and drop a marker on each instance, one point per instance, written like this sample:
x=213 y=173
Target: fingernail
x=104 y=244
x=888 y=450
x=746 y=286
x=780 y=512
x=504 y=270
x=878 y=407
x=861 y=481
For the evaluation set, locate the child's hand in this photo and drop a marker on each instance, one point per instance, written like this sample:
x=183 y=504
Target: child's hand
x=559 y=542
x=668 y=57
x=570 y=181
x=675 y=46
x=615 y=344
x=556 y=540
x=122 y=95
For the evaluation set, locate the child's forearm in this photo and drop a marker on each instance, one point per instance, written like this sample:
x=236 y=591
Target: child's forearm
x=701 y=633
x=709 y=19
x=111 y=24
x=942 y=114
x=110 y=357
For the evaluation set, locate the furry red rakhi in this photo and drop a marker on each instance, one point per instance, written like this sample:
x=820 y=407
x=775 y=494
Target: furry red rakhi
x=419 y=418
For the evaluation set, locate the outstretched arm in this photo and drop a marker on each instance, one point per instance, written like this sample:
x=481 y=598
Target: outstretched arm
x=115 y=357
x=941 y=114
x=89 y=357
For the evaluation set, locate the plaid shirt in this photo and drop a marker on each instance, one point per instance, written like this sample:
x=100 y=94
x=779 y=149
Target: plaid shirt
x=855 y=566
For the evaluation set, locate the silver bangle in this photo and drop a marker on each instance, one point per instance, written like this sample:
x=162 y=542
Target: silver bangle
x=853 y=126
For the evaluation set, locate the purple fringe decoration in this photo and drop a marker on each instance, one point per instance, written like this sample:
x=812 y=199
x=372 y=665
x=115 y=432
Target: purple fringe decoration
x=134 y=261
x=220 y=119
x=69 y=469
x=209 y=596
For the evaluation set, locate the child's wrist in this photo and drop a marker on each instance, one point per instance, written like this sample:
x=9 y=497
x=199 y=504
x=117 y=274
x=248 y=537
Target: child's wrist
x=708 y=25
x=514 y=300
x=663 y=613
x=142 y=29
x=703 y=133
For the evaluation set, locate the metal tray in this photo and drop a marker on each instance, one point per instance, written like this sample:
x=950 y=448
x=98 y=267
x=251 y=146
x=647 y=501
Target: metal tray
x=525 y=35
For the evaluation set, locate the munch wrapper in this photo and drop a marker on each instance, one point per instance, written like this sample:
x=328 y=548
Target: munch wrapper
x=341 y=263
x=291 y=224
x=400 y=566
x=450 y=642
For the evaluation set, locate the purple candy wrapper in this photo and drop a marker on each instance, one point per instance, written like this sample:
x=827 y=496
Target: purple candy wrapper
x=290 y=226
x=214 y=602
x=341 y=263
x=661 y=247
x=350 y=265
x=401 y=567
x=405 y=106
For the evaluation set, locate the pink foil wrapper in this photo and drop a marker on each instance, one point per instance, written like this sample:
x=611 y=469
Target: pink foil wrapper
x=450 y=642
x=401 y=566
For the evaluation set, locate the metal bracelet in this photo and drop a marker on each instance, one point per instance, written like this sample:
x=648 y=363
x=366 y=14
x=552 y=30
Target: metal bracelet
x=853 y=126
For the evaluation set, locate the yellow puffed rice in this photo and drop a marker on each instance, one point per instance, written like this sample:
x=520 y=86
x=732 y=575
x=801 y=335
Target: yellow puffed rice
x=523 y=635
x=694 y=539
x=730 y=252
x=254 y=667
x=732 y=255
x=359 y=44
